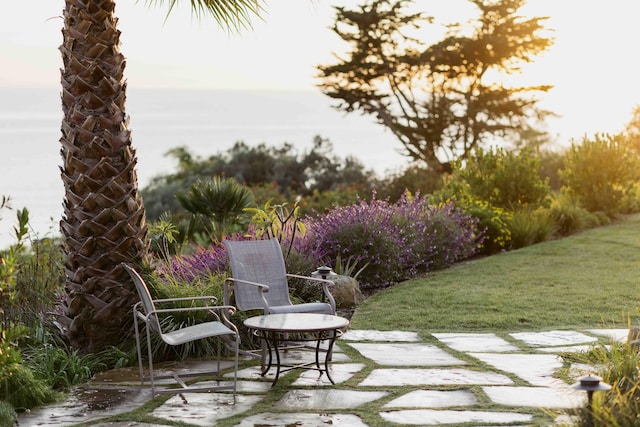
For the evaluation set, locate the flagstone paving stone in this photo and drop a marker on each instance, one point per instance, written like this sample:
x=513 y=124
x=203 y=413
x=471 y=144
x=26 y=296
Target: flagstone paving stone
x=553 y=338
x=476 y=342
x=340 y=372
x=218 y=406
x=302 y=420
x=410 y=354
x=537 y=369
x=434 y=399
x=417 y=377
x=327 y=399
x=435 y=417
x=518 y=372
x=536 y=397
x=380 y=336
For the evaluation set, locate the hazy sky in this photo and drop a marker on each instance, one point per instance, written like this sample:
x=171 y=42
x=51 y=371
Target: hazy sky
x=593 y=63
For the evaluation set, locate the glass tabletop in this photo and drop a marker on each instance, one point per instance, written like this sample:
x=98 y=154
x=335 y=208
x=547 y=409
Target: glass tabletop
x=296 y=322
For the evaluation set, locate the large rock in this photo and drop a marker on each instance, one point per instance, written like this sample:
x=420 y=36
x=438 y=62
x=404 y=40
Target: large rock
x=346 y=291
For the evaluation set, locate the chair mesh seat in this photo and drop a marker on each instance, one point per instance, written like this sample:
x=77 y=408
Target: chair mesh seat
x=195 y=332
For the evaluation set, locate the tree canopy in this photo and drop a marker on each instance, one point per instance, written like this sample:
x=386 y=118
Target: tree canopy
x=443 y=100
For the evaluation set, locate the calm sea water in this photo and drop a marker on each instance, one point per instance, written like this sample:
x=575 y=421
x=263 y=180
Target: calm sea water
x=207 y=122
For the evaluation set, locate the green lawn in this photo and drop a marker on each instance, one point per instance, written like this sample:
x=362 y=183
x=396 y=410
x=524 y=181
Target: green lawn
x=589 y=280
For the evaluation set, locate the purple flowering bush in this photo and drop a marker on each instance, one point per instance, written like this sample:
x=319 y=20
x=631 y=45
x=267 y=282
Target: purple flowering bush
x=204 y=262
x=396 y=240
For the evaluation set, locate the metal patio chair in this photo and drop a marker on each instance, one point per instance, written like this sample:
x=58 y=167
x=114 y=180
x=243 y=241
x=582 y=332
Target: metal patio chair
x=145 y=313
x=259 y=281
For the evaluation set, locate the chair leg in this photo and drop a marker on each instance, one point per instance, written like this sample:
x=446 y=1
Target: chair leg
x=150 y=356
x=138 y=349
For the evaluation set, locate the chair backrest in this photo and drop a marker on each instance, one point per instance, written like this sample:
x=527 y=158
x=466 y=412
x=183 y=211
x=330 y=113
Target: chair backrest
x=145 y=298
x=259 y=261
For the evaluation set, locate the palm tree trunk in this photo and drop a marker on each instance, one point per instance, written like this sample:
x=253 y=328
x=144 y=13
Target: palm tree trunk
x=103 y=223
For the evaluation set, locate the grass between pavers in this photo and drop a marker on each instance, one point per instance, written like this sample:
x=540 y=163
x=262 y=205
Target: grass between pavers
x=589 y=280
x=584 y=281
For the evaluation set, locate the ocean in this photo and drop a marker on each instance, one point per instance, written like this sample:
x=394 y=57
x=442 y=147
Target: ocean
x=205 y=121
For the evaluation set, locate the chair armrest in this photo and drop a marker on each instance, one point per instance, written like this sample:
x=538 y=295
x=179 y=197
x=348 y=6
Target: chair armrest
x=325 y=287
x=264 y=288
x=194 y=298
x=229 y=285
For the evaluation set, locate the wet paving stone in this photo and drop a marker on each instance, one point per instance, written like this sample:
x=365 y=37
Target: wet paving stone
x=476 y=342
x=380 y=336
x=410 y=354
x=445 y=389
x=204 y=409
x=340 y=372
x=553 y=338
x=302 y=420
x=436 y=417
x=418 y=377
x=536 y=369
x=434 y=399
x=86 y=405
x=327 y=399
x=536 y=397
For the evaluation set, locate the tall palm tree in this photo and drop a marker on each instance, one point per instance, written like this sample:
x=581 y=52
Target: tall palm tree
x=103 y=222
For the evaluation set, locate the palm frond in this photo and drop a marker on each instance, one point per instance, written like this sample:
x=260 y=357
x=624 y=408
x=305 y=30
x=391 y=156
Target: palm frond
x=229 y=14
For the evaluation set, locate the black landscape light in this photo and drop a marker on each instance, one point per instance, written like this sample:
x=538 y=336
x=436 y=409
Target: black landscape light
x=323 y=272
x=590 y=383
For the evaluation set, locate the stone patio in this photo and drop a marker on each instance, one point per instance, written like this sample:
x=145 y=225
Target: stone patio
x=459 y=378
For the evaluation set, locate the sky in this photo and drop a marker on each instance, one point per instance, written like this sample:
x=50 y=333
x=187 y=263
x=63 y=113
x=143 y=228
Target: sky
x=592 y=64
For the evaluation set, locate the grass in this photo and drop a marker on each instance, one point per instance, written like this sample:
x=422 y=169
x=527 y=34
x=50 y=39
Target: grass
x=584 y=281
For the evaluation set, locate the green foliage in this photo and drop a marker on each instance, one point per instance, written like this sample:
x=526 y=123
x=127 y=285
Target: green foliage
x=273 y=173
x=18 y=385
x=528 y=227
x=281 y=222
x=61 y=367
x=220 y=201
x=413 y=179
x=10 y=266
x=568 y=216
x=600 y=172
x=505 y=179
x=8 y=416
x=323 y=202
x=166 y=237
x=618 y=364
x=39 y=285
x=493 y=224
x=439 y=100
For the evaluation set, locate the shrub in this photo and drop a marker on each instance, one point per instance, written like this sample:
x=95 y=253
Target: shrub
x=18 y=385
x=618 y=366
x=199 y=265
x=395 y=240
x=8 y=416
x=365 y=231
x=568 y=216
x=600 y=172
x=492 y=223
x=504 y=179
x=528 y=227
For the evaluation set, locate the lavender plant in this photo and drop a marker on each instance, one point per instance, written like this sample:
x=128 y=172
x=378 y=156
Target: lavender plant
x=396 y=240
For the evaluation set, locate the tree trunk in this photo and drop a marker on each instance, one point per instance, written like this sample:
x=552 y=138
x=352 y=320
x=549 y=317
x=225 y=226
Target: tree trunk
x=103 y=223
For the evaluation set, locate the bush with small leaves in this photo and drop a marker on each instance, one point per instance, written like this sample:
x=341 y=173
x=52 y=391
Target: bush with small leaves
x=600 y=172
